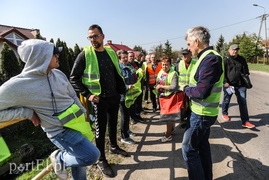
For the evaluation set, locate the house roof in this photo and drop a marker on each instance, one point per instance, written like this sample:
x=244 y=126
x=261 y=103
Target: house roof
x=117 y=47
x=22 y=32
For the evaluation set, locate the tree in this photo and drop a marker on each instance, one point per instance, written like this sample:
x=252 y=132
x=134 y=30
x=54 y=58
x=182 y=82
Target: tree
x=9 y=63
x=158 y=50
x=63 y=58
x=71 y=58
x=77 y=50
x=38 y=36
x=221 y=47
x=168 y=49
x=248 y=48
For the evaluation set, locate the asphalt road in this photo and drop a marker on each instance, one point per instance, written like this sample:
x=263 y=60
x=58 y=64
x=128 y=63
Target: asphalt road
x=252 y=144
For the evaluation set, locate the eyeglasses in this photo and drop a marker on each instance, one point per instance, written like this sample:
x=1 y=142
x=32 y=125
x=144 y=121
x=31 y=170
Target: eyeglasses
x=94 y=37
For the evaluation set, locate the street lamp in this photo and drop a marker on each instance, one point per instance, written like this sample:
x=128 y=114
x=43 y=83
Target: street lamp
x=263 y=19
x=260 y=7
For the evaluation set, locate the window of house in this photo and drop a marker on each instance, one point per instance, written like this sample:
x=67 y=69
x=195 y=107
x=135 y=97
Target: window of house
x=14 y=38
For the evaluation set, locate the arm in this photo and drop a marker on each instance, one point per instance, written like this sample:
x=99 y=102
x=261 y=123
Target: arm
x=245 y=65
x=207 y=75
x=16 y=113
x=226 y=66
x=172 y=87
x=77 y=74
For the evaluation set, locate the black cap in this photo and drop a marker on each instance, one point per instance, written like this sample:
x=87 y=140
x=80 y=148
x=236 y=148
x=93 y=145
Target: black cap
x=57 y=50
x=185 y=51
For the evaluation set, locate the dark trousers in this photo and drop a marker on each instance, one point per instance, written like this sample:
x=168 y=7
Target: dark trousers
x=106 y=113
x=138 y=103
x=152 y=97
x=124 y=120
x=196 y=148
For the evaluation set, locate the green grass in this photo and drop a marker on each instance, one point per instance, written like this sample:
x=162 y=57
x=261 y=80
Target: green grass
x=258 y=67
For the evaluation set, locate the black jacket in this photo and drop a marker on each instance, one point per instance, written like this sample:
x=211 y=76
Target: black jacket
x=234 y=67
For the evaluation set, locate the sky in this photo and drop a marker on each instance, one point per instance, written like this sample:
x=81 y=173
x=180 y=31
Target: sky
x=145 y=23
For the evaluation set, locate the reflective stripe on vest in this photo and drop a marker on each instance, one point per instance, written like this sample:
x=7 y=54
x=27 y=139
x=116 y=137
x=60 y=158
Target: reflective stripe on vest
x=74 y=118
x=168 y=80
x=210 y=105
x=91 y=76
x=184 y=73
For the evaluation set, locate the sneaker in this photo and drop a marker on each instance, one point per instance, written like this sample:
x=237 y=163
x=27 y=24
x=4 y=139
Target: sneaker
x=226 y=117
x=118 y=150
x=59 y=170
x=131 y=133
x=165 y=139
x=128 y=141
x=248 y=125
x=172 y=133
x=105 y=169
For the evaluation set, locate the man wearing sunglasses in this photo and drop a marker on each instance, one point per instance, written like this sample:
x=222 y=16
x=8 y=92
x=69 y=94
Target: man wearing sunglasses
x=96 y=75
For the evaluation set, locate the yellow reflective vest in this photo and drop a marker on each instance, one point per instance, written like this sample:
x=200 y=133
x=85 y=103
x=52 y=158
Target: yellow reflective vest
x=184 y=73
x=168 y=80
x=91 y=76
x=210 y=105
x=74 y=118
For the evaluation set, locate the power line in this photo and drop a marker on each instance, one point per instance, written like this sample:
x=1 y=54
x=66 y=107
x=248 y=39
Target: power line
x=209 y=30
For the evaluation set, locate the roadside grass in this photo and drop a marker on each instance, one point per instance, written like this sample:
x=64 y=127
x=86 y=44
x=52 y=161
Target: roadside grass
x=258 y=67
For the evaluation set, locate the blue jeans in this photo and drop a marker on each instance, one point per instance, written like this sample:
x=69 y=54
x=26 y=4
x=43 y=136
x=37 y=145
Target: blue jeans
x=241 y=96
x=196 y=148
x=76 y=152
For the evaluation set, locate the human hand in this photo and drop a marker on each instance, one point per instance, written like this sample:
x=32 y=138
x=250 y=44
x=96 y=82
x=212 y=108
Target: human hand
x=93 y=98
x=35 y=119
x=226 y=85
x=131 y=86
x=181 y=88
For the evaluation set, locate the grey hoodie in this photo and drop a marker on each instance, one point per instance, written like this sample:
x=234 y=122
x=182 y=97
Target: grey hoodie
x=30 y=92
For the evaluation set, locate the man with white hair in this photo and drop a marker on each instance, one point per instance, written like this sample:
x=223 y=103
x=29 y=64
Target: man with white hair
x=204 y=91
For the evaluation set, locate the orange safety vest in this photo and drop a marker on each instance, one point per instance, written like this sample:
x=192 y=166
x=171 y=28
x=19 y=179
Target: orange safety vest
x=153 y=74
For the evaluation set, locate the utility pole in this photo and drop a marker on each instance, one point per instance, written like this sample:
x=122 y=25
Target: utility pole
x=263 y=20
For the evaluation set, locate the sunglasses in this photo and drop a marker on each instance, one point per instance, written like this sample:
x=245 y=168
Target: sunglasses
x=94 y=37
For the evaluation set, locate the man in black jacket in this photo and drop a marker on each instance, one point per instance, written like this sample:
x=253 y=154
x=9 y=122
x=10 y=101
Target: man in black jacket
x=234 y=66
x=97 y=76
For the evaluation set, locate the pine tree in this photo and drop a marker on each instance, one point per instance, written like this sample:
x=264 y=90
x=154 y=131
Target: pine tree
x=168 y=49
x=220 y=45
x=9 y=63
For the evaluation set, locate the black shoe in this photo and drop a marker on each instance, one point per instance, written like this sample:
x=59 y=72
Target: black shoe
x=132 y=121
x=105 y=169
x=139 y=119
x=118 y=150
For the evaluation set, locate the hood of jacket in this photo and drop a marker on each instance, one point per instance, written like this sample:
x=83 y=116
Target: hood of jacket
x=36 y=54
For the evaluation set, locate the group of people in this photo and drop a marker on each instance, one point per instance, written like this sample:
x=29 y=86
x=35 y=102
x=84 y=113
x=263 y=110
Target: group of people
x=111 y=83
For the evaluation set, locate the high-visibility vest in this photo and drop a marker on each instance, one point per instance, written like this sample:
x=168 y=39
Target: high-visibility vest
x=91 y=76
x=133 y=93
x=74 y=118
x=210 y=105
x=153 y=74
x=168 y=80
x=184 y=73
